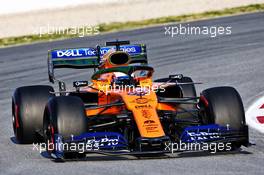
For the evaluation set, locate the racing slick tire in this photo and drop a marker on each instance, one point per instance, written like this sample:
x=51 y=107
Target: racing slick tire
x=64 y=115
x=188 y=90
x=184 y=90
x=28 y=104
x=223 y=106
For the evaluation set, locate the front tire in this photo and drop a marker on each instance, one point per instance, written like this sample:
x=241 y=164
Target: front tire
x=188 y=91
x=223 y=106
x=65 y=116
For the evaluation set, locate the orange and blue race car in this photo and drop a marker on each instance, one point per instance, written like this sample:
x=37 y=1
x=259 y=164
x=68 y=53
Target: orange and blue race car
x=122 y=110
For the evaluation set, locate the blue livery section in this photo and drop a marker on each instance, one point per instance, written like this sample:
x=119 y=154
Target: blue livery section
x=73 y=53
x=86 y=142
x=102 y=140
x=115 y=142
x=132 y=50
x=204 y=133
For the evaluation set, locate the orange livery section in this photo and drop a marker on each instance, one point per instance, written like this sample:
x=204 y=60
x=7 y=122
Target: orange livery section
x=145 y=114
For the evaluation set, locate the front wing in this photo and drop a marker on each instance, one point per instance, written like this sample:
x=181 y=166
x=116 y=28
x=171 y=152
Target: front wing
x=115 y=143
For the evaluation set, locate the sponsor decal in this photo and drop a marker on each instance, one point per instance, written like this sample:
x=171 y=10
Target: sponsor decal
x=68 y=53
x=74 y=53
x=148 y=106
x=103 y=142
x=177 y=76
x=142 y=100
x=151 y=129
x=146 y=113
x=80 y=83
x=150 y=126
x=149 y=122
x=91 y=52
x=203 y=136
x=128 y=49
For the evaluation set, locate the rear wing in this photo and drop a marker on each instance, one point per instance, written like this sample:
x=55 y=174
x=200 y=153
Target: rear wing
x=81 y=58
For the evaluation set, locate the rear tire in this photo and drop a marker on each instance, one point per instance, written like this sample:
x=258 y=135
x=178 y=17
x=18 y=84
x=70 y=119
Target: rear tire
x=28 y=104
x=65 y=116
x=224 y=107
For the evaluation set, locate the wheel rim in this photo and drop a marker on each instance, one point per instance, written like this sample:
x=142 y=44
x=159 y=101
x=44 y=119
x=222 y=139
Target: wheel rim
x=15 y=120
x=49 y=136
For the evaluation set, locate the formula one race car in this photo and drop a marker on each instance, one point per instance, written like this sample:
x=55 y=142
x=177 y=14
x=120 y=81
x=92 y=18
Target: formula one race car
x=121 y=110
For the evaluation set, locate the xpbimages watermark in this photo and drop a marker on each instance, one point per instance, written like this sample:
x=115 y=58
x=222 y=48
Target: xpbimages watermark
x=131 y=89
x=203 y=146
x=80 y=147
x=80 y=31
x=187 y=29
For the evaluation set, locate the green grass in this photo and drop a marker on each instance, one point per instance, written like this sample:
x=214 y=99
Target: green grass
x=117 y=26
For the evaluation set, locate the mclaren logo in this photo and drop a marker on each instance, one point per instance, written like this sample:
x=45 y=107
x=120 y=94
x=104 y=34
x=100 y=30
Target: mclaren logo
x=141 y=100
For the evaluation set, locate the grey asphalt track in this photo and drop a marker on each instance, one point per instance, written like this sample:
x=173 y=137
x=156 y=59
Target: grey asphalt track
x=235 y=60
